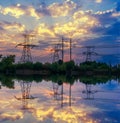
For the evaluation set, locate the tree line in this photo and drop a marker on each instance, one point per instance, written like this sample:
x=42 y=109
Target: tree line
x=8 y=66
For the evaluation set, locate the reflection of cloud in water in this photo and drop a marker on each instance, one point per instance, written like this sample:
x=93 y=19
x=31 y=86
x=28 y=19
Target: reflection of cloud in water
x=67 y=114
x=13 y=115
x=44 y=108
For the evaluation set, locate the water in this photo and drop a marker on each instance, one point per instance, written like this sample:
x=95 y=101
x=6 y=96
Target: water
x=59 y=100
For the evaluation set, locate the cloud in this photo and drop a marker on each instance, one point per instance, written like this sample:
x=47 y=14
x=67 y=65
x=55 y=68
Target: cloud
x=80 y=24
x=15 y=11
x=108 y=31
x=98 y=1
x=104 y=12
x=43 y=30
x=54 y=10
x=13 y=27
x=19 y=10
x=116 y=14
x=61 y=9
x=117 y=10
x=10 y=36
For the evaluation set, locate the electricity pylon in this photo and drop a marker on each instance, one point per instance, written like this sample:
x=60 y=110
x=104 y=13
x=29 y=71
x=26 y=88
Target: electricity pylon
x=89 y=52
x=57 y=52
x=27 y=46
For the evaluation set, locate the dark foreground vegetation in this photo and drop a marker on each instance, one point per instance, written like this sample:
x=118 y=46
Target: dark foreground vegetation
x=8 y=66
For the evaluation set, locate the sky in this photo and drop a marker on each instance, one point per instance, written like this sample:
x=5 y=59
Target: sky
x=86 y=22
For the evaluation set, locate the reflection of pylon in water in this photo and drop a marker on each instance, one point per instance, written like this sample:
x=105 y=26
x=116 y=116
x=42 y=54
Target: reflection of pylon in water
x=26 y=53
x=89 y=92
x=57 y=91
x=57 y=50
x=25 y=90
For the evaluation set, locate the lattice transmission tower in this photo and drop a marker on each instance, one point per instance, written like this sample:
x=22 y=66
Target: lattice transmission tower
x=57 y=53
x=89 y=53
x=27 y=46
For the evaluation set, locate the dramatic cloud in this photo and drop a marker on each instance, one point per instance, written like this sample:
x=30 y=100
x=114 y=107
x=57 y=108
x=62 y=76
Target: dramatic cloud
x=54 y=10
x=80 y=24
x=90 y=22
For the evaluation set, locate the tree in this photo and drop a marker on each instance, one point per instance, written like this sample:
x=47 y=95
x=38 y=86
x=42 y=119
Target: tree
x=70 y=65
x=8 y=60
x=7 y=63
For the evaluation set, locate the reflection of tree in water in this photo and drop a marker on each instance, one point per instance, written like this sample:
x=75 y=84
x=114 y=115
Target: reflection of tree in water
x=25 y=91
x=89 y=81
x=7 y=81
x=94 y=79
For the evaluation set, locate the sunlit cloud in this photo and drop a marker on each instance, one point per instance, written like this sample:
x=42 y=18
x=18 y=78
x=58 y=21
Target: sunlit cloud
x=42 y=114
x=12 y=27
x=68 y=114
x=19 y=10
x=98 y=1
x=105 y=12
x=57 y=9
x=43 y=30
x=15 y=11
x=116 y=14
x=80 y=25
x=10 y=33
